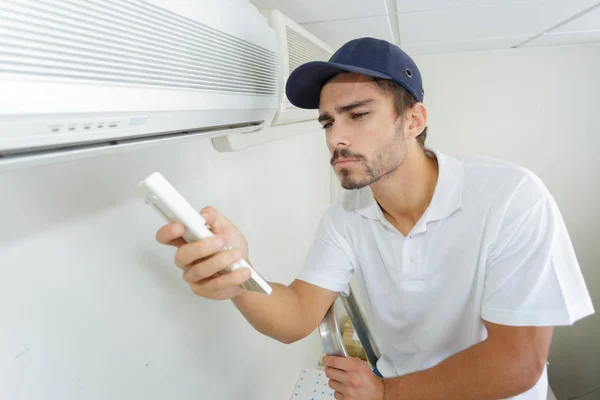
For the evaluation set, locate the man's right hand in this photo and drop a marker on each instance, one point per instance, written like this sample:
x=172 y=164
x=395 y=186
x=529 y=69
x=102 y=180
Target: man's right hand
x=203 y=262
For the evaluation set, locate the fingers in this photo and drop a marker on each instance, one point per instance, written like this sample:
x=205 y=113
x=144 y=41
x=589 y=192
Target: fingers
x=211 y=266
x=190 y=253
x=337 y=362
x=226 y=294
x=215 y=219
x=170 y=234
x=339 y=388
x=337 y=374
x=215 y=287
x=205 y=261
x=345 y=363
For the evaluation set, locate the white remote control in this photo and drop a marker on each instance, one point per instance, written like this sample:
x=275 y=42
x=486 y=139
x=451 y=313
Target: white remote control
x=162 y=196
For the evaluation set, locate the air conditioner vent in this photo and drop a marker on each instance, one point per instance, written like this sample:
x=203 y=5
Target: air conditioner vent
x=302 y=50
x=129 y=42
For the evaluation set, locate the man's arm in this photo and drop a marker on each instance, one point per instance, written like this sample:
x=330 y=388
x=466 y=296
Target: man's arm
x=290 y=313
x=509 y=362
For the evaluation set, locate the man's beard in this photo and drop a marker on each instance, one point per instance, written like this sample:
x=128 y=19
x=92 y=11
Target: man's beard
x=385 y=161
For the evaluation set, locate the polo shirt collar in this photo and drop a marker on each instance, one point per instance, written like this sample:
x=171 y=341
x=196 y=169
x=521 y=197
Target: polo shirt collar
x=447 y=197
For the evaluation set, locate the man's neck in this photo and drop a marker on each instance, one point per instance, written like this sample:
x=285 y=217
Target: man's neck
x=405 y=194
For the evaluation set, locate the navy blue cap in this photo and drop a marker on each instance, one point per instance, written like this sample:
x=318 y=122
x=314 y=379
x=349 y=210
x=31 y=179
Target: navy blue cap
x=366 y=56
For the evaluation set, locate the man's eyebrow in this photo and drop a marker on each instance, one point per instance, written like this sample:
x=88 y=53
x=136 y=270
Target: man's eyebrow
x=324 y=117
x=356 y=104
x=343 y=109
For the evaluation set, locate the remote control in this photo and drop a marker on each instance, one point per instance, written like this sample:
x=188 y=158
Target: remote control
x=168 y=203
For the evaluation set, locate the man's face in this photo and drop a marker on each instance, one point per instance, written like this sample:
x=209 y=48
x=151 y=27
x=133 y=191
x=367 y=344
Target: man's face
x=364 y=134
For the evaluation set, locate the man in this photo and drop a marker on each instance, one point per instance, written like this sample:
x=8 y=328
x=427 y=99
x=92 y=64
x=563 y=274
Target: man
x=465 y=264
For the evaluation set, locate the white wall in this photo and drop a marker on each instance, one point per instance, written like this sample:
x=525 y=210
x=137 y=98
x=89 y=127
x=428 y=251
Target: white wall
x=93 y=308
x=539 y=108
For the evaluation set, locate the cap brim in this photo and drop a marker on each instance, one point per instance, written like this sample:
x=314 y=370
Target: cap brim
x=303 y=87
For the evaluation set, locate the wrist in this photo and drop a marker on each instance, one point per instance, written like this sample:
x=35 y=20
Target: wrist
x=239 y=299
x=391 y=390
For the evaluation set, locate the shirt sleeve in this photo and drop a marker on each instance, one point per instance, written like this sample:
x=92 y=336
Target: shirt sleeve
x=532 y=275
x=329 y=261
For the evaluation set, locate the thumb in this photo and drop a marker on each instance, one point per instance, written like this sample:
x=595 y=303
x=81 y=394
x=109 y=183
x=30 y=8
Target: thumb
x=215 y=219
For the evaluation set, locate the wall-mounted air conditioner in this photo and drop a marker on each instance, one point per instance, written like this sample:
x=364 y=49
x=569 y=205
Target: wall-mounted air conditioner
x=81 y=76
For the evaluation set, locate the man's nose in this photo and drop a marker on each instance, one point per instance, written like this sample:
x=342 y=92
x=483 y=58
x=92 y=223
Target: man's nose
x=338 y=136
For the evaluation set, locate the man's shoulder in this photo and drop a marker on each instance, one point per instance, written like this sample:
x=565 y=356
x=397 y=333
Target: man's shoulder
x=501 y=180
x=482 y=167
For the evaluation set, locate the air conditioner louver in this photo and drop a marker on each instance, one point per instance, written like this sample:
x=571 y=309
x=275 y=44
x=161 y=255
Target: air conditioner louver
x=129 y=42
x=302 y=50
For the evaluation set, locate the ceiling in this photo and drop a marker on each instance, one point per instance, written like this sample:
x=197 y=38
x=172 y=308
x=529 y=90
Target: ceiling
x=441 y=26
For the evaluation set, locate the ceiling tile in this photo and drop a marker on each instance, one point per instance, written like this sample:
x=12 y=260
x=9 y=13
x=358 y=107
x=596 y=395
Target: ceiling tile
x=472 y=45
x=588 y=22
x=585 y=29
x=499 y=20
x=411 y=6
x=323 y=10
x=557 y=39
x=337 y=33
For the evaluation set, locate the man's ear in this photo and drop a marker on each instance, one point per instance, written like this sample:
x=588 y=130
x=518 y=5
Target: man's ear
x=416 y=120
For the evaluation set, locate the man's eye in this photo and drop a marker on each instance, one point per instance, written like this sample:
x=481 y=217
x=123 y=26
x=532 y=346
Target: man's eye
x=359 y=115
x=327 y=125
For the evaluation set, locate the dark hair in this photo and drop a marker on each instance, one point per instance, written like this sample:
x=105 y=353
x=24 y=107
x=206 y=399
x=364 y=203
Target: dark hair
x=402 y=100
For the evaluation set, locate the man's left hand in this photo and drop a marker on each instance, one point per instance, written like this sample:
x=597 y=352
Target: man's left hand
x=352 y=379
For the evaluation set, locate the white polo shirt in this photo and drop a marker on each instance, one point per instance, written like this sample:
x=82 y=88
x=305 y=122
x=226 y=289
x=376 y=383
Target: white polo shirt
x=492 y=245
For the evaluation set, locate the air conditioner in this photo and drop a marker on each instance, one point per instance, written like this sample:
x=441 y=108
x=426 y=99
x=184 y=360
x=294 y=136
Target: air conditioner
x=82 y=76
